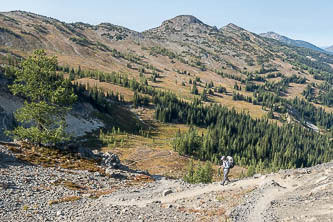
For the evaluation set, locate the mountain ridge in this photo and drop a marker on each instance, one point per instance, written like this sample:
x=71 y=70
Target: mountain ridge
x=289 y=41
x=329 y=49
x=227 y=56
x=180 y=20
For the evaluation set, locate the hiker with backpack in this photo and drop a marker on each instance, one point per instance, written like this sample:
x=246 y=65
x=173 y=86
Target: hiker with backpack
x=227 y=164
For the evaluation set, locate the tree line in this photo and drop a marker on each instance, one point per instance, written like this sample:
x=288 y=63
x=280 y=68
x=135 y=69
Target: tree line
x=251 y=141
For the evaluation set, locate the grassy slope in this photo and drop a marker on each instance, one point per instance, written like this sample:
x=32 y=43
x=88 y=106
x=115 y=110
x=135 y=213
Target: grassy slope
x=91 y=57
x=153 y=154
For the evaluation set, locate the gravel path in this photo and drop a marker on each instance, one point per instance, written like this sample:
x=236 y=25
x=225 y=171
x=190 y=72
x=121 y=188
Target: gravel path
x=178 y=190
x=291 y=195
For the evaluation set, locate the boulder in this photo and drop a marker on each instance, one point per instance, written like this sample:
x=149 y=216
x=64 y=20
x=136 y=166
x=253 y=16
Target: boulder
x=256 y=176
x=110 y=160
x=167 y=192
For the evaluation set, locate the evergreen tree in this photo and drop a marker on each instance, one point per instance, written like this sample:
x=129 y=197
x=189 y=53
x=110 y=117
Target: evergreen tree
x=47 y=100
x=194 y=90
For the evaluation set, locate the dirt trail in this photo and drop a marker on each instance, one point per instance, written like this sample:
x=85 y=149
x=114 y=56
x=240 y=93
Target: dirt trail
x=291 y=195
x=271 y=190
x=207 y=189
x=190 y=193
x=276 y=197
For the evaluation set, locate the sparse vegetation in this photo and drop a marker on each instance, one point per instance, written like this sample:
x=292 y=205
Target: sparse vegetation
x=64 y=199
x=52 y=157
x=5 y=30
x=82 y=41
x=199 y=174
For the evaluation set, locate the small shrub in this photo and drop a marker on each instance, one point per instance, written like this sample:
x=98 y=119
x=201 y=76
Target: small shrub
x=200 y=174
x=251 y=171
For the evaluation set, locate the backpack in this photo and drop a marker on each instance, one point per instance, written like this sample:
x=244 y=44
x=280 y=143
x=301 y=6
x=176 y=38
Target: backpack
x=231 y=161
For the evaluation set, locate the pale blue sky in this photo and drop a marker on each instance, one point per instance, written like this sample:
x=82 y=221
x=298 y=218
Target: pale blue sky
x=309 y=20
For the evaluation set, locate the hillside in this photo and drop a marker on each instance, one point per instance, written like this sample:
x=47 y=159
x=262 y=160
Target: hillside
x=193 y=61
x=228 y=66
x=179 y=51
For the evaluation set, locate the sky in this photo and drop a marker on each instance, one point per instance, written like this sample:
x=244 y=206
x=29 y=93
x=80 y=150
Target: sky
x=308 y=20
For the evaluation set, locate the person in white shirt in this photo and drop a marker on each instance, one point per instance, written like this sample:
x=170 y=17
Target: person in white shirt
x=226 y=169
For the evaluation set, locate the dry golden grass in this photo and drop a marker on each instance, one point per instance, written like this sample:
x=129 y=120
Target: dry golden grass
x=108 y=87
x=64 y=199
x=327 y=109
x=52 y=157
x=254 y=110
x=98 y=193
x=295 y=90
x=70 y=185
x=155 y=154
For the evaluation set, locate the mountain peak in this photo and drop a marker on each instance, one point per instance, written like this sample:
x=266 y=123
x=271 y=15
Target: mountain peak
x=232 y=26
x=181 y=23
x=184 y=20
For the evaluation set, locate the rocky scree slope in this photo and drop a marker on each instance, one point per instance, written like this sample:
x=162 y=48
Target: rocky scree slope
x=34 y=193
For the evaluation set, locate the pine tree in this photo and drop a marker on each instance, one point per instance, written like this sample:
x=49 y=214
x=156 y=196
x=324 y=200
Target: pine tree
x=47 y=100
x=194 y=90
